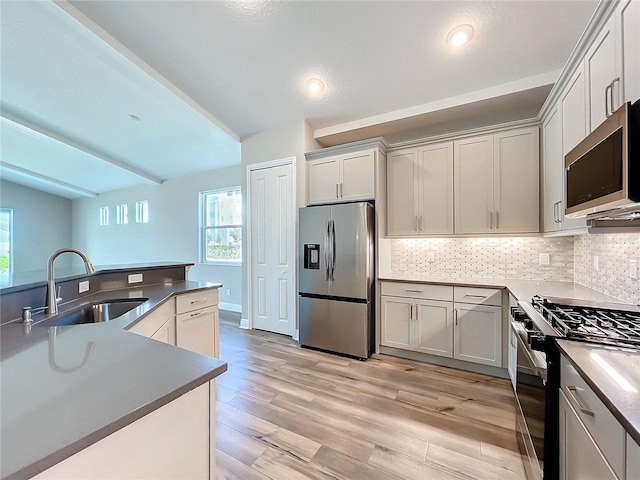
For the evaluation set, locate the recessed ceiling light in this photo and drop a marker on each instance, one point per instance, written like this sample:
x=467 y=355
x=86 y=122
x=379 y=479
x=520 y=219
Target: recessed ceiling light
x=134 y=118
x=314 y=85
x=460 y=36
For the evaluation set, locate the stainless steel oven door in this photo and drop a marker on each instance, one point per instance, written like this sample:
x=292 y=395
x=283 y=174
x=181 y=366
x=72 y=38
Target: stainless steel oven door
x=531 y=376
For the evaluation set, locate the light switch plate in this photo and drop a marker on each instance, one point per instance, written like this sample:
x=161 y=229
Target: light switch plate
x=544 y=259
x=83 y=286
x=431 y=257
x=633 y=269
x=134 y=278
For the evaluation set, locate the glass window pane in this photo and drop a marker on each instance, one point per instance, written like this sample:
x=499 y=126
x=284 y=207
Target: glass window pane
x=223 y=244
x=6 y=264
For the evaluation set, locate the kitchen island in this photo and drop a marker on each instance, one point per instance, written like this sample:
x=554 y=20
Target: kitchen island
x=69 y=389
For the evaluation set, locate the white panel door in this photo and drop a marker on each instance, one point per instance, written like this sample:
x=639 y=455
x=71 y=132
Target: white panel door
x=435 y=173
x=272 y=249
x=516 y=183
x=473 y=185
x=402 y=193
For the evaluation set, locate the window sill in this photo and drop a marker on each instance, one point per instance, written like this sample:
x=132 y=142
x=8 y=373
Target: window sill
x=222 y=264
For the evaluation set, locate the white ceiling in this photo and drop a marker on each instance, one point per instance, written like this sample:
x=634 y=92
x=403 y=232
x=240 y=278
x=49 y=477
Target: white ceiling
x=203 y=74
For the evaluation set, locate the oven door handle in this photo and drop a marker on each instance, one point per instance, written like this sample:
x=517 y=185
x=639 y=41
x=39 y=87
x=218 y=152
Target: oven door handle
x=539 y=366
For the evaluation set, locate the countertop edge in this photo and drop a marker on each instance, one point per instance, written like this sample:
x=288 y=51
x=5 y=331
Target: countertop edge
x=631 y=429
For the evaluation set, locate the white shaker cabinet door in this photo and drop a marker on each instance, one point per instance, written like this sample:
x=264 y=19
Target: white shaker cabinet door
x=552 y=171
x=473 y=185
x=517 y=181
x=633 y=459
x=478 y=334
x=628 y=17
x=357 y=176
x=435 y=189
x=434 y=327
x=195 y=331
x=402 y=193
x=397 y=322
x=580 y=458
x=324 y=180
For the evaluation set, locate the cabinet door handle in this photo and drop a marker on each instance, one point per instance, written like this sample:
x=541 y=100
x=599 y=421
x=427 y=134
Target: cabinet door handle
x=420 y=224
x=411 y=312
x=491 y=220
x=574 y=393
x=612 y=105
x=198 y=314
x=337 y=191
x=477 y=296
x=455 y=315
x=413 y=291
x=341 y=190
x=555 y=212
x=415 y=223
x=497 y=219
x=560 y=213
x=606 y=101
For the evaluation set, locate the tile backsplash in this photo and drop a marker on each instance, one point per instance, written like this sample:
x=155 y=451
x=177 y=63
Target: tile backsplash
x=571 y=259
x=500 y=257
x=614 y=253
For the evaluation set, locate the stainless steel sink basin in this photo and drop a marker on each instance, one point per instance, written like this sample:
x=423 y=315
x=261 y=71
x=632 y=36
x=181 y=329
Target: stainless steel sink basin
x=98 y=312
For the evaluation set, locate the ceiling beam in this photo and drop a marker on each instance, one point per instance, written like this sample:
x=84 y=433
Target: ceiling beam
x=21 y=122
x=52 y=181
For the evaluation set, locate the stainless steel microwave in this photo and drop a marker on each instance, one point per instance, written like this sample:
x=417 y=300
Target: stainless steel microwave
x=602 y=173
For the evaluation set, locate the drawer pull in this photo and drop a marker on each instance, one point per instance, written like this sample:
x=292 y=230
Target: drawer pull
x=193 y=302
x=413 y=291
x=574 y=393
x=476 y=296
x=198 y=314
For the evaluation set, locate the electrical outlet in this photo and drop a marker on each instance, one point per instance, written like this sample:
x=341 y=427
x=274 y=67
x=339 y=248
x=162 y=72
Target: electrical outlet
x=431 y=257
x=596 y=264
x=228 y=292
x=83 y=286
x=633 y=269
x=544 y=259
x=134 y=278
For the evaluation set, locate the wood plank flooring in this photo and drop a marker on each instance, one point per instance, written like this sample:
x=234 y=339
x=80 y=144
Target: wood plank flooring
x=287 y=413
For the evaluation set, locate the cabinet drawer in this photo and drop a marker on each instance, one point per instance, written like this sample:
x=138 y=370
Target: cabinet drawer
x=606 y=431
x=417 y=290
x=193 y=301
x=484 y=296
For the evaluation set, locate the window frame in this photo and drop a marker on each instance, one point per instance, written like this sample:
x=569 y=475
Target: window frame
x=204 y=228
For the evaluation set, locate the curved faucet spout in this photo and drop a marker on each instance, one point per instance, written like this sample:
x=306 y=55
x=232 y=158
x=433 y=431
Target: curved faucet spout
x=52 y=304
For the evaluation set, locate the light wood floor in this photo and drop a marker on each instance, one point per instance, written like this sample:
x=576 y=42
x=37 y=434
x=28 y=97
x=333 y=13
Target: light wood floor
x=289 y=413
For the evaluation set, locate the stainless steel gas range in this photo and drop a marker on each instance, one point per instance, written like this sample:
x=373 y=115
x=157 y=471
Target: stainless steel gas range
x=534 y=365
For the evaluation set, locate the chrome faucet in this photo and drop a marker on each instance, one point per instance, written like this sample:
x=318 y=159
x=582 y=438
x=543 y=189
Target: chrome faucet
x=52 y=301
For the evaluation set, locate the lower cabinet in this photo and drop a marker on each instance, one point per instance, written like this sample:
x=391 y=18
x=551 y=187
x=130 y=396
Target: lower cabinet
x=580 y=457
x=175 y=441
x=190 y=322
x=633 y=459
x=439 y=326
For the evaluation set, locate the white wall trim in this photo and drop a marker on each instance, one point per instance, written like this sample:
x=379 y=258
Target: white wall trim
x=232 y=307
x=248 y=322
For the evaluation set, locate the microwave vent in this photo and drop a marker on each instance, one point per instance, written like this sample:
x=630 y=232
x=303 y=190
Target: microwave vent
x=619 y=220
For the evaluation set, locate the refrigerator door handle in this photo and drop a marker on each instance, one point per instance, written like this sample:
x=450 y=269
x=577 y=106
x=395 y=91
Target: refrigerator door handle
x=332 y=244
x=326 y=253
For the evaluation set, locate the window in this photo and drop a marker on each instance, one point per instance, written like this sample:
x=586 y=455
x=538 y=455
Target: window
x=6 y=238
x=142 y=211
x=104 y=215
x=221 y=221
x=122 y=214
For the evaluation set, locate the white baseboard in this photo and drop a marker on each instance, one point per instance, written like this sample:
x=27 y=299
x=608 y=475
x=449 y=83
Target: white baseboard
x=296 y=335
x=232 y=307
x=244 y=323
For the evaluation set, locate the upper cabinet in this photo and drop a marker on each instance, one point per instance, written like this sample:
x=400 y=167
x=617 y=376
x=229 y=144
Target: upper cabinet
x=345 y=173
x=603 y=74
x=496 y=183
x=478 y=185
x=420 y=190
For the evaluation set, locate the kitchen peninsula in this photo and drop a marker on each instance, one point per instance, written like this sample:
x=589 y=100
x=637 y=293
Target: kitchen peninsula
x=89 y=400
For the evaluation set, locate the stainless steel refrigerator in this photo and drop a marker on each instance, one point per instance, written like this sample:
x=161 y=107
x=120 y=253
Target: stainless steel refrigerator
x=336 y=272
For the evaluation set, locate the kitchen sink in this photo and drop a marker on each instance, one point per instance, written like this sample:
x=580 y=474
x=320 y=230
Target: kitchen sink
x=98 y=312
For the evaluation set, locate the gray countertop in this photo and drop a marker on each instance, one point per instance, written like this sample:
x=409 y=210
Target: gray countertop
x=64 y=389
x=614 y=374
